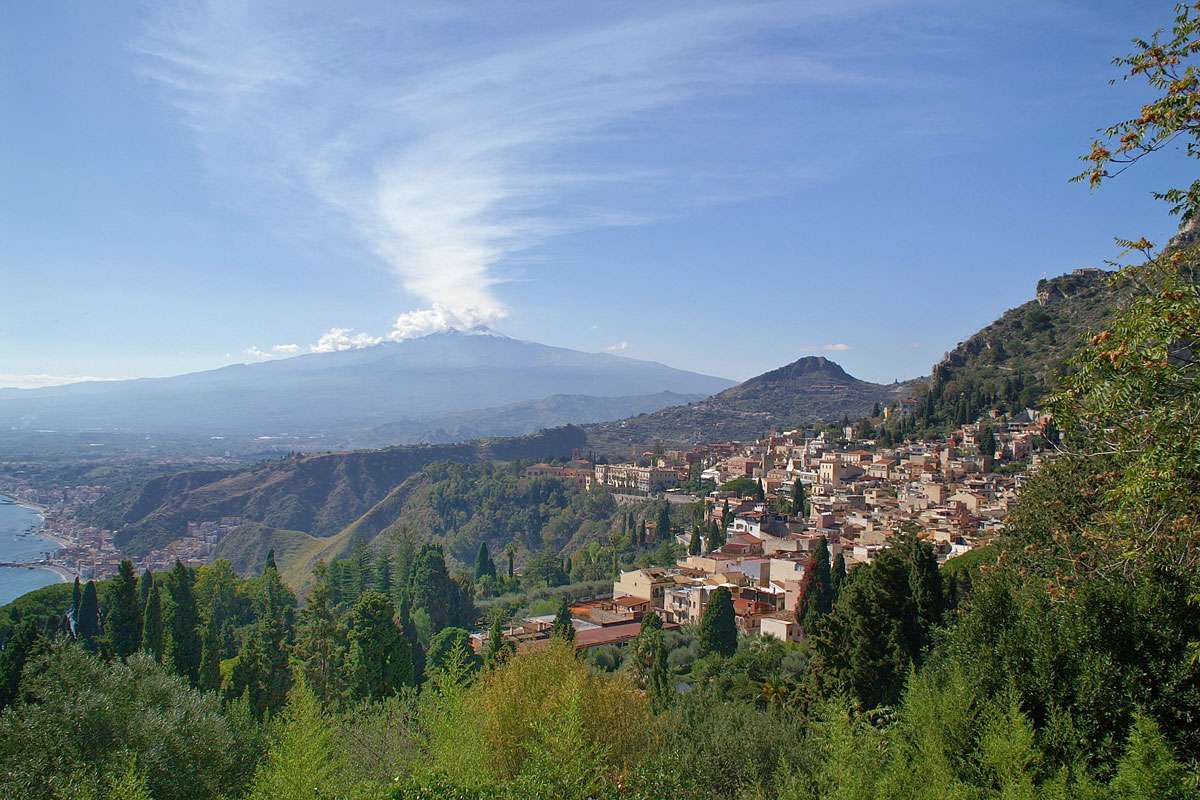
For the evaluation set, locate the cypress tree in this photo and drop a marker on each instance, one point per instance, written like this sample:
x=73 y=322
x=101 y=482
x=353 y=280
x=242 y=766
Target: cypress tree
x=209 y=679
x=512 y=551
x=152 y=624
x=718 y=628
x=181 y=623
x=144 y=591
x=838 y=576
x=13 y=657
x=664 y=523
x=270 y=562
x=122 y=622
x=928 y=594
x=76 y=594
x=483 y=562
x=799 y=498
x=87 y=625
x=383 y=573
x=715 y=539
x=563 y=626
x=816 y=591
x=987 y=442
x=694 y=545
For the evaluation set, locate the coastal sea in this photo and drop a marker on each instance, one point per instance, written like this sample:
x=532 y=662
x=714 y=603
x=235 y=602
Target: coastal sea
x=17 y=543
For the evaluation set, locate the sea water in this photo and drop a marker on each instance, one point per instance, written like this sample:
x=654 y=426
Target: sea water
x=17 y=543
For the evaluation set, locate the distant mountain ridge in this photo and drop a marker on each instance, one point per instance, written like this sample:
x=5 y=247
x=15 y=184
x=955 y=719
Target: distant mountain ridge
x=352 y=390
x=812 y=389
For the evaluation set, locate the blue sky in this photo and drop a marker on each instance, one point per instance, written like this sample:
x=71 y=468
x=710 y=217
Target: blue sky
x=722 y=187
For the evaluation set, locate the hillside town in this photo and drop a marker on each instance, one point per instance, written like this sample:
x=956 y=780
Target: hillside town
x=853 y=495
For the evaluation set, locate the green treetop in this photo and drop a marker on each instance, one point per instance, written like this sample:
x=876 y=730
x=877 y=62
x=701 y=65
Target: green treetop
x=379 y=661
x=718 y=628
x=563 y=626
x=87 y=624
x=664 y=523
x=122 y=622
x=483 y=562
x=152 y=623
x=450 y=643
x=181 y=623
x=816 y=589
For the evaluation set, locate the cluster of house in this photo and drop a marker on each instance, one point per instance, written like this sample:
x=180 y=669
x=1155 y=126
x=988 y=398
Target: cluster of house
x=859 y=498
x=89 y=551
x=193 y=549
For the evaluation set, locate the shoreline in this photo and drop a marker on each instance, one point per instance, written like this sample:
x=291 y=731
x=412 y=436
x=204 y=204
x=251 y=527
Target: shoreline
x=61 y=573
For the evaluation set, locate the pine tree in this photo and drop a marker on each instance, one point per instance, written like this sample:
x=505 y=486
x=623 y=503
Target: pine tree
x=718 y=627
x=1149 y=770
x=209 y=678
x=452 y=643
x=87 y=624
x=152 y=623
x=483 y=562
x=181 y=623
x=321 y=642
x=563 y=626
x=379 y=661
x=695 y=545
x=497 y=647
x=122 y=620
x=304 y=759
x=816 y=589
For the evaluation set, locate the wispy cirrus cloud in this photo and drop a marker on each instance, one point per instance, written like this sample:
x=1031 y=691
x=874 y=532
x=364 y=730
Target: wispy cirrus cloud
x=443 y=139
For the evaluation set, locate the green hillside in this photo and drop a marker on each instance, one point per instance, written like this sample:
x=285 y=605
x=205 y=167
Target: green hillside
x=1021 y=356
x=316 y=494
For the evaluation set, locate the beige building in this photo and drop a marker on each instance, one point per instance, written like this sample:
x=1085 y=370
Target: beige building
x=635 y=478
